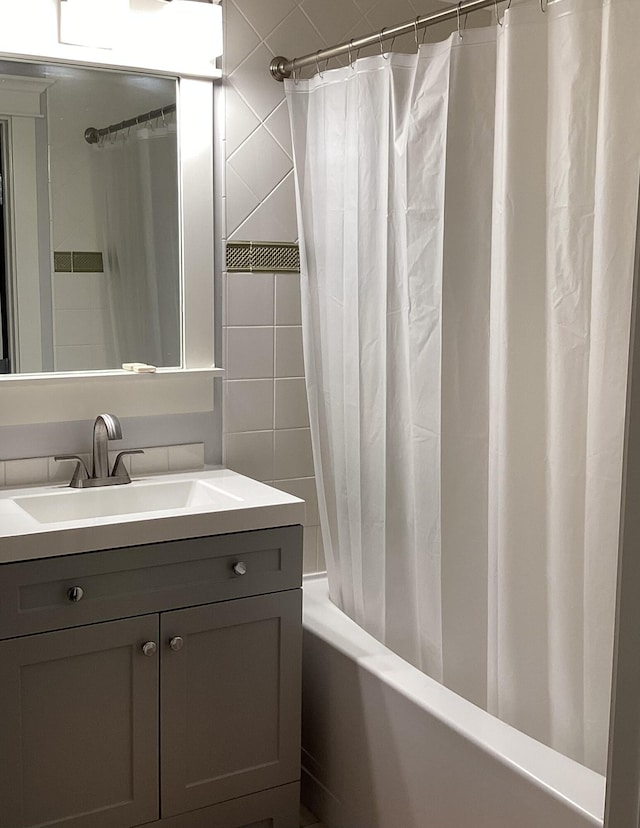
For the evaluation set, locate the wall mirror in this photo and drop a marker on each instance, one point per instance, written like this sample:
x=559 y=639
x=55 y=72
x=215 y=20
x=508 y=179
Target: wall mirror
x=90 y=242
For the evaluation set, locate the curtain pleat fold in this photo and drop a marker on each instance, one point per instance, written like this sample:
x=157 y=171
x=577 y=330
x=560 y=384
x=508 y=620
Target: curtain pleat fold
x=137 y=203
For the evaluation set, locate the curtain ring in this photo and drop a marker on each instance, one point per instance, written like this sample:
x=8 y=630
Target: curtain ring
x=543 y=6
x=458 y=18
x=351 y=59
x=498 y=21
x=415 y=25
x=296 y=78
x=382 y=54
x=424 y=35
x=318 y=64
x=393 y=40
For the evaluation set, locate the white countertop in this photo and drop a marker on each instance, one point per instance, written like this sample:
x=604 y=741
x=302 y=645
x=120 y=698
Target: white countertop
x=246 y=505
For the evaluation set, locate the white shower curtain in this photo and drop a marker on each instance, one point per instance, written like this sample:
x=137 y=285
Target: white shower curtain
x=467 y=226
x=137 y=202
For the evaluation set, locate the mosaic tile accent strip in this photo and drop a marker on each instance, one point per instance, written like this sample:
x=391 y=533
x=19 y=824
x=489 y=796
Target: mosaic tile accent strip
x=65 y=261
x=87 y=262
x=263 y=257
x=62 y=262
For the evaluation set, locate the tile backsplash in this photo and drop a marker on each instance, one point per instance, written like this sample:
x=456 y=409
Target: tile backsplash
x=155 y=460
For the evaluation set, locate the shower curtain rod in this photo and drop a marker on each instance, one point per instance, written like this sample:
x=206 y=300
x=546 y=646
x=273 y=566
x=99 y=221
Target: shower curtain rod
x=93 y=135
x=282 y=68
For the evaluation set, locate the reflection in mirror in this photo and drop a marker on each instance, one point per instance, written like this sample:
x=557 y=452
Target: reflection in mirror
x=89 y=226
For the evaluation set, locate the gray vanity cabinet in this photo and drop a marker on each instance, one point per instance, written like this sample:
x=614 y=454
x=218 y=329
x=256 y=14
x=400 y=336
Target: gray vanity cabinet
x=184 y=715
x=79 y=733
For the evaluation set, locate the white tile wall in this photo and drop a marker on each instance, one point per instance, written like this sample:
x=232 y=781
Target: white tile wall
x=266 y=432
x=82 y=333
x=292 y=454
x=24 y=472
x=249 y=353
x=288 y=299
x=250 y=299
x=248 y=405
x=289 y=360
x=250 y=453
x=291 y=404
x=189 y=456
x=153 y=461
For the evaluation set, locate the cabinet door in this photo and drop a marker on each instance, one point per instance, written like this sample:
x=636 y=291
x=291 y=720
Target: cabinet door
x=79 y=737
x=230 y=700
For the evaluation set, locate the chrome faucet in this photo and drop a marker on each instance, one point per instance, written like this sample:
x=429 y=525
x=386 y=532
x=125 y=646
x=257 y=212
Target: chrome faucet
x=106 y=427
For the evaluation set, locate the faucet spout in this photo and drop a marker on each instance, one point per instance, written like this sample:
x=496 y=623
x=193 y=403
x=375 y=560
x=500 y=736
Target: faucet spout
x=106 y=427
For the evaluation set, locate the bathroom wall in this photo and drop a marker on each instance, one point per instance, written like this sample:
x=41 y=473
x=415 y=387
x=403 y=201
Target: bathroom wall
x=265 y=422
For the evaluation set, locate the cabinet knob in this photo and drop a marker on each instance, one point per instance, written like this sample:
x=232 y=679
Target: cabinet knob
x=240 y=568
x=176 y=643
x=150 y=648
x=75 y=593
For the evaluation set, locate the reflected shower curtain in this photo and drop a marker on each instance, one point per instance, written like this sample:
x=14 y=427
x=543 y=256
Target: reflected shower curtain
x=137 y=201
x=467 y=222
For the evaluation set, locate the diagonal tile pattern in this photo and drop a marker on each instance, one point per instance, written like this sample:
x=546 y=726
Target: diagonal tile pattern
x=265 y=17
x=255 y=32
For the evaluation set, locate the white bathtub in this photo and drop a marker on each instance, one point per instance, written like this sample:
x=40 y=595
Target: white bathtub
x=385 y=746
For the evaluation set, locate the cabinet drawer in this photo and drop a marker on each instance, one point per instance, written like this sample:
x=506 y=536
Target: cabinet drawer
x=116 y=583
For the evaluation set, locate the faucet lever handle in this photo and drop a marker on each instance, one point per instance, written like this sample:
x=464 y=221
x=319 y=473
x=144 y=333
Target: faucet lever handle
x=80 y=472
x=119 y=469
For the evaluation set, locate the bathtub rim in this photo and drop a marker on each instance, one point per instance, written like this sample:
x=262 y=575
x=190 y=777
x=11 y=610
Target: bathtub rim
x=576 y=786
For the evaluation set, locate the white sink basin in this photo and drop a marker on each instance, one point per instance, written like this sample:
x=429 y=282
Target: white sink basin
x=138 y=497
x=44 y=521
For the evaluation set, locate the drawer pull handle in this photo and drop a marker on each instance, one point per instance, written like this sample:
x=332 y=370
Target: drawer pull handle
x=176 y=643
x=240 y=568
x=75 y=593
x=150 y=648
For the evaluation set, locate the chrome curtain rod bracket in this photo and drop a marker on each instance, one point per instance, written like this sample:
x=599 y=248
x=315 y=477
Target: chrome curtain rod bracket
x=282 y=68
